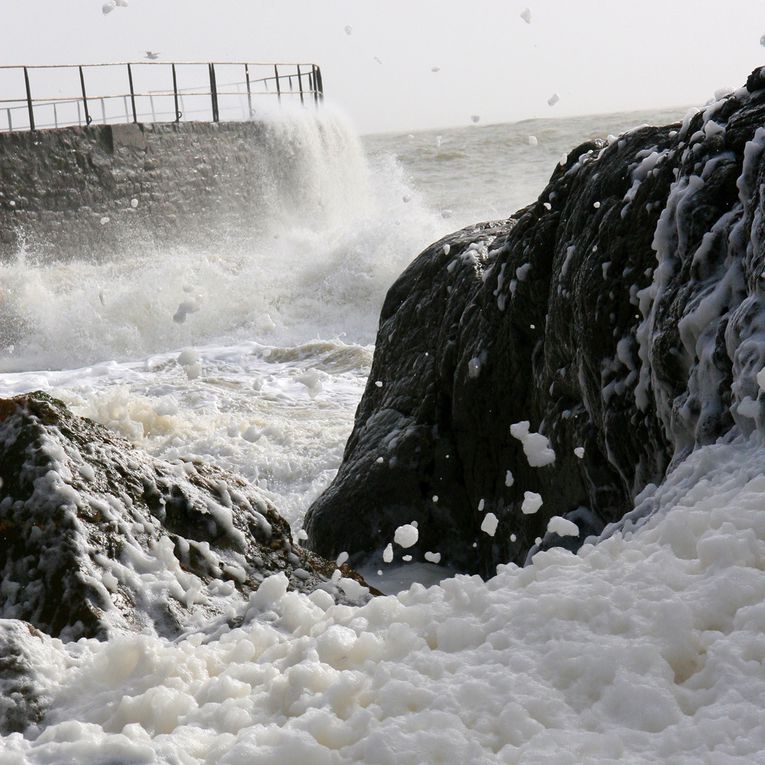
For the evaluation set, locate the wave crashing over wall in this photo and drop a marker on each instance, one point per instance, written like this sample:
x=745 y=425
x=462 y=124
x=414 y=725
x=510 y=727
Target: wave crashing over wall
x=276 y=230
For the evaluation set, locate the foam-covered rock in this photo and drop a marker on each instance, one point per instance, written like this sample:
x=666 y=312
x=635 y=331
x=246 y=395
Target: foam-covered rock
x=24 y=694
x=97 y=536
x=620 y=319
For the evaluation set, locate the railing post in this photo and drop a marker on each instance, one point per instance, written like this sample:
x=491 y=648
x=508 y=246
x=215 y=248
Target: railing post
x=213 y=93
x=103 y=110
x=315 y=85
x=30 y=108
x=249 y=92
x=278 y=87
x=300 y=84
x=319 y=83
x=88 y=118
x=55 y=116
x=132 y=92
x=10 y=120
x=153 y=112
x=175 y=96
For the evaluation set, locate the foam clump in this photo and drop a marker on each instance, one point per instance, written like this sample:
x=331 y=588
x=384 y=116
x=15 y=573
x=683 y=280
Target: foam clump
x=562 y=527
x=406 y=535
x=531 y=502
x=185 y=307
x=489 y=524
x=190 y=361
x=536 y=447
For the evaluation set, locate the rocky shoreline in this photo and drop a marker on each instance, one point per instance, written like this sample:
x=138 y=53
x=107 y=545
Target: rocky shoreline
x=99 y=536
x=531 y=377
x=620 y=316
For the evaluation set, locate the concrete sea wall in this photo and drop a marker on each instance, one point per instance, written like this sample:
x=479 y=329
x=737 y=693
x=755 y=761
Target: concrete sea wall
x=98 y=190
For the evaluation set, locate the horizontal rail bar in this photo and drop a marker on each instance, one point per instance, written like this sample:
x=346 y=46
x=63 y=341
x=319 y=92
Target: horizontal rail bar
x=147 y=94
x=156 y=63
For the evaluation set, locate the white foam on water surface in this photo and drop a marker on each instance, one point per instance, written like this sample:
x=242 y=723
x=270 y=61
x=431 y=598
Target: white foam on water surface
x=279 y=416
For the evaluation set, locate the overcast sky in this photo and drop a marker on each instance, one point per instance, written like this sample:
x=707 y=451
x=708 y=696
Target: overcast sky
x=597 y=56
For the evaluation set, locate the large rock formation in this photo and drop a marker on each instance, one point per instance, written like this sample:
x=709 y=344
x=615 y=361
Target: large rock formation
x=96 y=535
x=621 y=314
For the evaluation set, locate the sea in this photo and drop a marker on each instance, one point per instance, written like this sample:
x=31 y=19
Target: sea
x=643 y=648
x=256 y=360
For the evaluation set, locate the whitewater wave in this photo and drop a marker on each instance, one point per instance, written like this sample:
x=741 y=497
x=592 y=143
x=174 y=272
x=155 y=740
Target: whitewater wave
x=332 y=232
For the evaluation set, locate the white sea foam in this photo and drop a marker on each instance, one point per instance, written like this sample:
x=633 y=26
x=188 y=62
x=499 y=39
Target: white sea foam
x=246 y=407
x=647 y=648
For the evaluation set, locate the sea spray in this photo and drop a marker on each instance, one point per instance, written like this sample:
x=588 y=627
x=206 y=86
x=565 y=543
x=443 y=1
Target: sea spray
x=331 y=233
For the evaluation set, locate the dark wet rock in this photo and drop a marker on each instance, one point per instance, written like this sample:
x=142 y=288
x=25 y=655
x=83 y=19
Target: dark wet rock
x=96 y=535
x=622 y=314
x=756 y=80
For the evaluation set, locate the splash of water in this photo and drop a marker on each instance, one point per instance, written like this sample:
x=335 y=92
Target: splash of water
x=333 y=231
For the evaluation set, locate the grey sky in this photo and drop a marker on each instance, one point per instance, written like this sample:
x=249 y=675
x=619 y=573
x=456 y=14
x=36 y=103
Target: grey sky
x=597 y=56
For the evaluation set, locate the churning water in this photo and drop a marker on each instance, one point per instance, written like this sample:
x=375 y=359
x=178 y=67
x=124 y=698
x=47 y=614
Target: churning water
x=263 y=374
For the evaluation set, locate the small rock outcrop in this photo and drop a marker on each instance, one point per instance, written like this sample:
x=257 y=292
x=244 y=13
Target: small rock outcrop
x=571 y=354
x=96 y=535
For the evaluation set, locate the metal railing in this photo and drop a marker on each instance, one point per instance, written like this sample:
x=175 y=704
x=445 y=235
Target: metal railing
x=50 y=96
